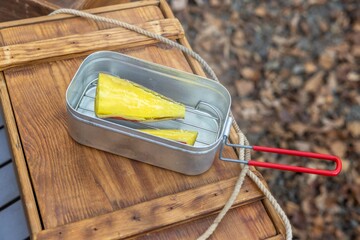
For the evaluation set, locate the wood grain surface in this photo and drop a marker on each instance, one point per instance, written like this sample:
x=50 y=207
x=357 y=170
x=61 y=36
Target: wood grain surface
x=105 y=9
x=156 y=213
x=65 y=25
x=77 y=186
x=108 y=39
x=12 y=10
x=248 y=221
x=27 y=192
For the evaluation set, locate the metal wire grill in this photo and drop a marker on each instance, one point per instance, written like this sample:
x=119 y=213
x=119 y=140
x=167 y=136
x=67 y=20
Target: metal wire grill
x=203 y=118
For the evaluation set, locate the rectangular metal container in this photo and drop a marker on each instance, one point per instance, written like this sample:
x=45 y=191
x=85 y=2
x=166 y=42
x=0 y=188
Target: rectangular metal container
x=207 y=111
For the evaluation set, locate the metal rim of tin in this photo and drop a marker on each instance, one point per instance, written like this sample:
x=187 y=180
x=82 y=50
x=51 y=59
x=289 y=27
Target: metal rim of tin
x=175 y=73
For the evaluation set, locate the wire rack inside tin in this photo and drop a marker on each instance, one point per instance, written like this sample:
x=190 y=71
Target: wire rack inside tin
x=203 y=118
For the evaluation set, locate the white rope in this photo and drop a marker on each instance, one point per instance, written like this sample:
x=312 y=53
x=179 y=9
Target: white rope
x=273 y=202
x=233 y=196
x=243 y=153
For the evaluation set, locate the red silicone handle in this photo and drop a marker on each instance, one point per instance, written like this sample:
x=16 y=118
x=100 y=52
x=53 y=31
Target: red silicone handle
x=334 y=159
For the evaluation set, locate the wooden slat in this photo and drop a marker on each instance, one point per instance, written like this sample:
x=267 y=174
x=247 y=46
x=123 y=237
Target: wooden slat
x=19 y=160
x=4 y=153
x=166 y=10
x=77 y=25
x=154 y=214
x=276 y=237
x=94 y=11
x=247 y=222
x=12 y=222
x=195 y=65
x=8 y=185
x=280 y=227
x=115 y=38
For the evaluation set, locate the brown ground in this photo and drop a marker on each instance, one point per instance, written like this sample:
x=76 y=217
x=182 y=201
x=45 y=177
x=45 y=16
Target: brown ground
x=292 y=68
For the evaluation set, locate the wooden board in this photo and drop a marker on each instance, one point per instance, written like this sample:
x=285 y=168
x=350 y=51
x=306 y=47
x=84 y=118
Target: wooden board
x=26 y=189
x=60 y=47
x=43 y=117
x=81 y=189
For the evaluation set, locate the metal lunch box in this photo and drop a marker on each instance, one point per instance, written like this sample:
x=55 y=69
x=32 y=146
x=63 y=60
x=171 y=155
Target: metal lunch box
x=207 y=112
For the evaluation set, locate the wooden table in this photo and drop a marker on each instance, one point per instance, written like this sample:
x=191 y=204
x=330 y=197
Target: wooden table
x=71 y=191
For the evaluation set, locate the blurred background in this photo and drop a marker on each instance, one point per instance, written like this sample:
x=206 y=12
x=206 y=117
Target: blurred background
x=292 y=68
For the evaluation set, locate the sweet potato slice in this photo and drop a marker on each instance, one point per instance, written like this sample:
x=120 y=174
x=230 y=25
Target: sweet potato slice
x=123 y=99
x=179 y=135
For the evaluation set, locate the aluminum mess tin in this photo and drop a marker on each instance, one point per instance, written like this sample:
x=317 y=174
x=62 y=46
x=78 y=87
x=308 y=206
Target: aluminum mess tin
x=207 y=112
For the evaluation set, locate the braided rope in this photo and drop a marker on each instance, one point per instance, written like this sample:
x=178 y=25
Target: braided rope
x=243 y=153
x=233 y=196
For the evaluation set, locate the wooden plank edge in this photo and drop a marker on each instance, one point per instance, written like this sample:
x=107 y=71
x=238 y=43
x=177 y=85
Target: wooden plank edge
x=276 y=237
x=165 y=9
x=194 y=64
x=212 y=214
x=19 y=54
x=275 y=218
x=99 y=10
x=27 y=195
x=154 y=214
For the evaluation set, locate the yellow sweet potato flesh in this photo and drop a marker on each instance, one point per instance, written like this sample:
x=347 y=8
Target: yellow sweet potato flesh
x=122 y=99
x=179 y=135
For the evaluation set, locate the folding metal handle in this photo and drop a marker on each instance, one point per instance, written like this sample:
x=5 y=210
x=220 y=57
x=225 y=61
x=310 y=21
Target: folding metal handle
x=285 y=167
